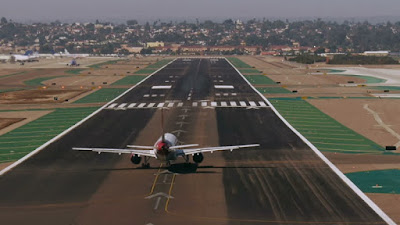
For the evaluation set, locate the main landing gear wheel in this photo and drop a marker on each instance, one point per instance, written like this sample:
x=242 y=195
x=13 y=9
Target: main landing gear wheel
x=146 y=165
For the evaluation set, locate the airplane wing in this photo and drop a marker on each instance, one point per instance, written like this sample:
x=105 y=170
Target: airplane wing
x=140 y=146
x=192 y=151
x=119 y=151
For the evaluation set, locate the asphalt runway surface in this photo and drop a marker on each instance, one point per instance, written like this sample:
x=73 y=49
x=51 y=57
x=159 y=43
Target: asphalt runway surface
x=281 y=182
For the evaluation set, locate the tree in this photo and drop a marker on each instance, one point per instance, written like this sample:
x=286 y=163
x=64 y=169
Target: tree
x=123 y=51
x=147 y=26
x=3 y=20
x=131 y=22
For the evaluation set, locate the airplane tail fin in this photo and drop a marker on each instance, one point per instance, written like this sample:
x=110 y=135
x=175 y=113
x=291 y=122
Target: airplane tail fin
x=162 y=125
x=29 y=52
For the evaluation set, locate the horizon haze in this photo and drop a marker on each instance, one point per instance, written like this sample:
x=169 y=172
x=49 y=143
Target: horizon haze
x=166 y=10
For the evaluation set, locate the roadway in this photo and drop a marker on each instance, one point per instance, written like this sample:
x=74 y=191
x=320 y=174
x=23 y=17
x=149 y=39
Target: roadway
x=281 y=182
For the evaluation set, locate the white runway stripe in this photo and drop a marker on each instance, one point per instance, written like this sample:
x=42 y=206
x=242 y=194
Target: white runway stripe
x=204 y=104
x=122 y=105
x=131 y=105
x=112 y=105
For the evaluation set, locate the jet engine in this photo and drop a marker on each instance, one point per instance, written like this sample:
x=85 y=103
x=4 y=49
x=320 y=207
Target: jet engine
x=198 y=157
x=135 y=159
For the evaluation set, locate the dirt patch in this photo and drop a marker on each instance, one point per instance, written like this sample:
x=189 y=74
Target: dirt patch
x=349 y=163
x=351 y=113
x=4 y=165
x=38 y=96
x=389 y=203
x=83 y=81
x=5 y=122
x=23 y=116
x=314 y=79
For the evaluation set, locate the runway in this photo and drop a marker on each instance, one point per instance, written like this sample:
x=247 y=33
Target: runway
x=207 y=102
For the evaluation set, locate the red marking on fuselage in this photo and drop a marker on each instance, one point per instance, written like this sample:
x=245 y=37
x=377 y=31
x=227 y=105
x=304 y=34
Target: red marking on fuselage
x=162 y=148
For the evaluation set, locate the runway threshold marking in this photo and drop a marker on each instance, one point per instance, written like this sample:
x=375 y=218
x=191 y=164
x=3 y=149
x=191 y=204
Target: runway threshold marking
x=112 y=105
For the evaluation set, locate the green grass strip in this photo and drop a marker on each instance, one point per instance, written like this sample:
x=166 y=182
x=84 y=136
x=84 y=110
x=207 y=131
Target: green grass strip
x=368 y=79
x=99 y=65
x=390 y=88
x=38 y=81
x=9 y=75
x=129 y=80
x=273 y=90
x=74 y=71
x=101 y=95
x=251 y=71
x=17 y=143
x=238 y=63
x=377 y=181
x=146 y=71
x=323 y=131
x=259 y=79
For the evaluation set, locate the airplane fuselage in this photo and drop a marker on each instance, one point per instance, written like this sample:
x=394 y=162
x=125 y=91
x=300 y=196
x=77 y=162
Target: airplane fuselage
x=162 y=148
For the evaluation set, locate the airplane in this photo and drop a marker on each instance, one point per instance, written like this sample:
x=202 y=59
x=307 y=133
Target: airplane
x=29 y=56
x=5 y=58
x=73 y=63
x=166 y=150
x=67 y=54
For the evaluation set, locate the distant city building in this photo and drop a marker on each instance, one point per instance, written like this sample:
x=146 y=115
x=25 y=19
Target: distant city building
x=154 y=44
x=376 y=53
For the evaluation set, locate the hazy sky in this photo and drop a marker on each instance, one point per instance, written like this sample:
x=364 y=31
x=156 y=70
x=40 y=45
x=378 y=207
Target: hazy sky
x=44 y=10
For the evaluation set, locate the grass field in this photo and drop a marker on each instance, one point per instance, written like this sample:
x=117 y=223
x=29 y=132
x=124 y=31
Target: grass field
x=377 y=181
x=102 y=95
x=259 y=79
x=11 y=90
x=159 y=64
x=74 y=71
x=153 y=67
x=99 y=65
x=146 y=71
x=38 y=81
x=390 y=88
x=17 y=143
x=368 y=79
x=8 y=75
x=250 y=71
x=273 y=90
x=322 y=130
x=238 y=63
x=129 y=80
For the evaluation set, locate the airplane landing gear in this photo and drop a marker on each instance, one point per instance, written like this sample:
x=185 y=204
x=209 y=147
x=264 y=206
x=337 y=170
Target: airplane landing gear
x=146 y=163
x=186 y=157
